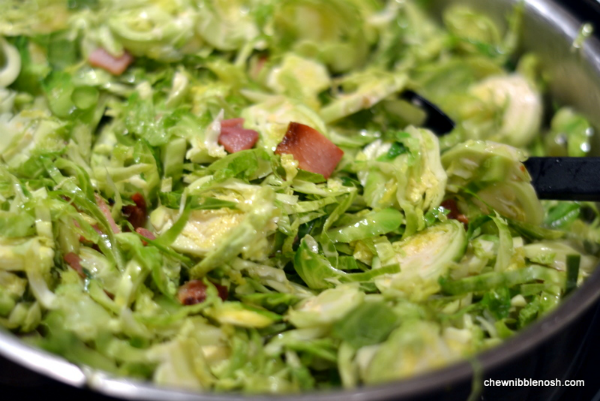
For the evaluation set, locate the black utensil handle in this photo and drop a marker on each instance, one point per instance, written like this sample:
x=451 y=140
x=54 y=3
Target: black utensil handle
x=556 y=178
x=565 y=178
x=437 y=121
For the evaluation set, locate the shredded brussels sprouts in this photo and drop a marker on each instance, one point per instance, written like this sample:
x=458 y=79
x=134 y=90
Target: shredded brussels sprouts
x=232 y=196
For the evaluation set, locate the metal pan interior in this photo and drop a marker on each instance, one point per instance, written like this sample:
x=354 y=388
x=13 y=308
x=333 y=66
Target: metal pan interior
x=548 y=30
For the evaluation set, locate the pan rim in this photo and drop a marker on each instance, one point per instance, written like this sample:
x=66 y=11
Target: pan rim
x=571 y=309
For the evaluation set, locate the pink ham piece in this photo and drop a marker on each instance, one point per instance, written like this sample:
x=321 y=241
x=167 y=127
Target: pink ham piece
x=115 y=65
x=136 y=214
x=455 y=213
x=106 y=212
x=193 y=292
x=313 y=151
x=146 y=234
x=234 y=137
x=74 y=261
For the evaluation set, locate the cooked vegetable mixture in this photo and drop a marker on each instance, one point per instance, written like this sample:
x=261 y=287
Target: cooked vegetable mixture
x=232 y=195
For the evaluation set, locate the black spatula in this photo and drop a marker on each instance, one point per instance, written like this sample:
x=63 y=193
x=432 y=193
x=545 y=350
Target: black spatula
x=436 y=121
x=557 y=178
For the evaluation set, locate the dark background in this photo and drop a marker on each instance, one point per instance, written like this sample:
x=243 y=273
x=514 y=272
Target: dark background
x=17 y=383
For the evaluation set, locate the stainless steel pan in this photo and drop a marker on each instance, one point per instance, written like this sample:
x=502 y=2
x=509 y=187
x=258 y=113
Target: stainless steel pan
x=546 y=350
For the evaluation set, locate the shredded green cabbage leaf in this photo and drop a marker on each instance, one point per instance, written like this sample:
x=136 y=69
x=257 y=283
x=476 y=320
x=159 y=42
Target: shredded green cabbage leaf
x=134 y=241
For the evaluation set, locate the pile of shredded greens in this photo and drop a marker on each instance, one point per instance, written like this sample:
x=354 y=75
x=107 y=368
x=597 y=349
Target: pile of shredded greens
x=133 y=243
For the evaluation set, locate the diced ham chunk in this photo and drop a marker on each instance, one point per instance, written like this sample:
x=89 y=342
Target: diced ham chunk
x=194 y=291
x=145 y=233
x=115 y=65
x=106 y=212
x=313 y=151
x=454 y=214
x=74 y=261
x=234 y=137
x=136 y=214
